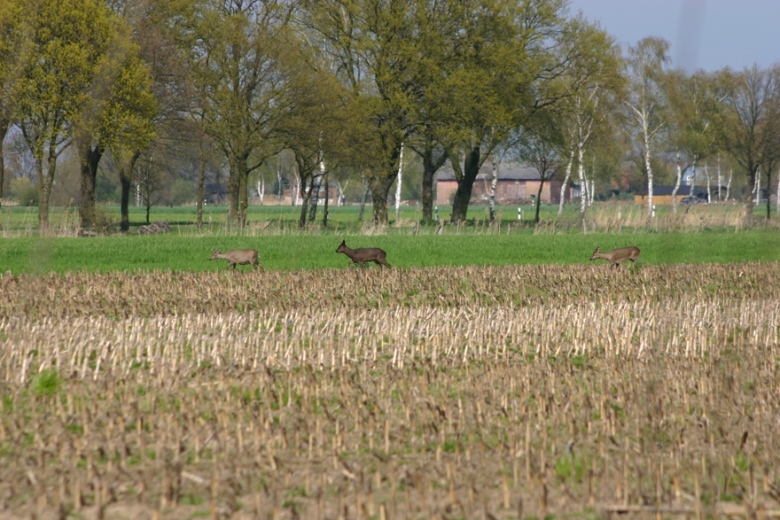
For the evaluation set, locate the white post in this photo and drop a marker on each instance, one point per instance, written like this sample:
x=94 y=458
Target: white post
x=519 y=213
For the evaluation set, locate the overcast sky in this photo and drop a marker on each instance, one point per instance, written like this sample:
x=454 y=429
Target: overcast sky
x=704 y=34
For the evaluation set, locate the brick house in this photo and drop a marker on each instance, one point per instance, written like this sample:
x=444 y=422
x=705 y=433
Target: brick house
x=517 y=184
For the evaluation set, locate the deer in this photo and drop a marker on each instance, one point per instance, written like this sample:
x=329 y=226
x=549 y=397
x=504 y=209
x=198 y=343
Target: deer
x=617 y=255
x=237 y=257
x=364 y=254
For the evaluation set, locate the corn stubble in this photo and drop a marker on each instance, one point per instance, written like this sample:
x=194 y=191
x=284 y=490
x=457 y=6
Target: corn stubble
x=446 y=392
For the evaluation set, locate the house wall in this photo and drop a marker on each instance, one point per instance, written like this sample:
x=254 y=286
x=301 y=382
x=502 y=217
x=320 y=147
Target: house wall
x=507 y=191
x=658 y=200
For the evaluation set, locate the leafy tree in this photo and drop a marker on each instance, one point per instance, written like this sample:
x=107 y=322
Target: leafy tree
x=58 y=68
x=12 y=51
x=378 y=53
x=504 y=70
x=322 y=126
x=233 y=49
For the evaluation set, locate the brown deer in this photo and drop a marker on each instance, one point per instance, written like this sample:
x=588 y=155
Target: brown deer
x=237 y=257
x=617 y=255
x=364 y=254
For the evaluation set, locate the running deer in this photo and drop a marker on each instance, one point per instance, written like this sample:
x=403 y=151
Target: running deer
x=364 y=254
x=617 y=255
x=237 y=257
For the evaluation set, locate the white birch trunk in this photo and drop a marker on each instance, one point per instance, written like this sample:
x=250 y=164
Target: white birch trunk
x=707 y=176
x=399 y=183
x=728 y=185
x=279 y=183
x=720 y=181
x=693 y=179
x=297 y=190
x=261 y=190
x=565 y=182
x=583 y=185
x=677 y=184
x=591 y=191
x=757 y=189
x=493 y=184
x=341 y=189
x=648 y=168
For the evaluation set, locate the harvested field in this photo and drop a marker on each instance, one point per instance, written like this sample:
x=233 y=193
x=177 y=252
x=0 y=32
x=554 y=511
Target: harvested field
x=490 y=392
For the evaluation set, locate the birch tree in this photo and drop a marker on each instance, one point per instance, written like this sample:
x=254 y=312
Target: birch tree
x=594 y=82
x=646 y=104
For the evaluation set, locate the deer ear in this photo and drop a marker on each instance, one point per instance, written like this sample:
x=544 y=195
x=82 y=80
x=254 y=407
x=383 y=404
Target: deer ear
x=343 y=242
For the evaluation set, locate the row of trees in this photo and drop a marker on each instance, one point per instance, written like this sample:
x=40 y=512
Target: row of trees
x=343 y=86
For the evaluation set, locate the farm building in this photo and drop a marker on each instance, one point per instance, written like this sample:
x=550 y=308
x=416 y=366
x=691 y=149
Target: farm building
x=662 y=195
x=517 y=183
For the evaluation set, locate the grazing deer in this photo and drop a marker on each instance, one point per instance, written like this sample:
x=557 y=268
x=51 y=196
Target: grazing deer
x=364 y=254
x=617 y=255
x=237 y=257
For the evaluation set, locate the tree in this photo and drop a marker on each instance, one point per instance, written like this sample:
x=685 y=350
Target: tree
x=540 y=146
x=233 y=49
x=751 y=122
x=379 y=54
x=692 y=118
x=58 y=69
x=646 y=104
x=595 y=85
x=506 y=68
x=12 y=51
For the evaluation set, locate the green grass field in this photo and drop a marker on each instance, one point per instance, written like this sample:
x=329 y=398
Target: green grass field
x=702 y=234
x=288 y=252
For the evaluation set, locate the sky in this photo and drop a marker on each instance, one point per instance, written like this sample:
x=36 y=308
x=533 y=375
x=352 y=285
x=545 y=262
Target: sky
x=704 y=34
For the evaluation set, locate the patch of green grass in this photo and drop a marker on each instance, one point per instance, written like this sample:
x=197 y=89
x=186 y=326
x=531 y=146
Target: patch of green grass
x=47 y=383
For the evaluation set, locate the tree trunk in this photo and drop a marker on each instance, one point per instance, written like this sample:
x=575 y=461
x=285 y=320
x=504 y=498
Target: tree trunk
x=539 y=199
x=201 y=183
x=768 y=193
x=493 y=184
x=314 y=197
x=363 y=202
x=565 y=183
x=427 y=189
x=399 y=183
x=649 y=170
x=749 y=201
x=327 y=205
x=430 y=167
x=583 y=184
x=677 y=183
x=380 y=188
x=125 y=181
x=46 y=183
x=4 y=125
x=89 y=158
x=460 y=205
